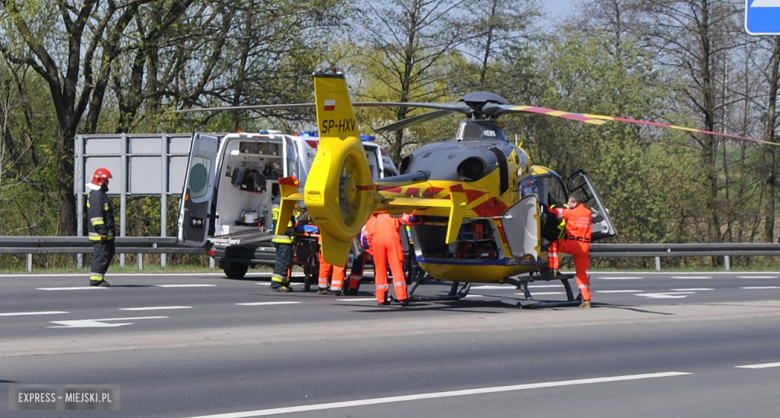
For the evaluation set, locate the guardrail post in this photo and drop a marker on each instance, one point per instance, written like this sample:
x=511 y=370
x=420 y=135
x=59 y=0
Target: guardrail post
x=139 y=261
x=726 y=262
x=29 y=263
x=212 y=265
x=658 y=264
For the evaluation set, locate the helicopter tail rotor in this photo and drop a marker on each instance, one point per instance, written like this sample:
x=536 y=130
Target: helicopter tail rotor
x=339 y=193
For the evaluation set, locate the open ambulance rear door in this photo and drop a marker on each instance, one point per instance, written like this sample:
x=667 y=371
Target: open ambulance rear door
x=195 y=219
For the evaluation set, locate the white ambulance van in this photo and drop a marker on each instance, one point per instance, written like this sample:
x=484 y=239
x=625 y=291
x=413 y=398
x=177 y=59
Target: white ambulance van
x=231 y=182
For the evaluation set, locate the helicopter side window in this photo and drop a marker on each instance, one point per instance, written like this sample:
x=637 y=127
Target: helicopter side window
x=555 y=190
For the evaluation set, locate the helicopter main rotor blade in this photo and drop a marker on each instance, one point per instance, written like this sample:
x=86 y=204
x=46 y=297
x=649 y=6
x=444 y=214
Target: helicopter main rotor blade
x=414 y=120
x=681 y=128
x=497 y=110
x=456 y=107
x=247 y=107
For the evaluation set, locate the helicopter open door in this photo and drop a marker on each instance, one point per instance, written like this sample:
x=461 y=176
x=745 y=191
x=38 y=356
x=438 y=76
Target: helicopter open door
x=602 y=225
x=194 y=217
x=521 y=226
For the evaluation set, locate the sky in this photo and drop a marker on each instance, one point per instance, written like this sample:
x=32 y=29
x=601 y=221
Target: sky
x=558 y=8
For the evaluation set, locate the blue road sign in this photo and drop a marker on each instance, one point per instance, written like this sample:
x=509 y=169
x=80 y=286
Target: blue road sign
x=762 y=17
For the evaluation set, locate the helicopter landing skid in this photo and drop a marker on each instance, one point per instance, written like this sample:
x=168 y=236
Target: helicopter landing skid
x=454 y=293
x=530 y=303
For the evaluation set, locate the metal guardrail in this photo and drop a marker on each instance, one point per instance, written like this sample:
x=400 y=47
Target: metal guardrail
x=170 y=245
x=82 y=245
x=657 y=251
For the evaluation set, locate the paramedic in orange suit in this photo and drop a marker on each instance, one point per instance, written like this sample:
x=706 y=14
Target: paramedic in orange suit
x=385 y=241
x=576 y=242
x=336 y=282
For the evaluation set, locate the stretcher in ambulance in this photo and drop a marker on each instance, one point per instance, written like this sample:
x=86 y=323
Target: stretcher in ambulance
x=230 y=186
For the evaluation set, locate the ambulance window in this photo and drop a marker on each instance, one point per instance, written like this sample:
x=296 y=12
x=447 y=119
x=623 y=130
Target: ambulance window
x=292 y=158
x=199 y=177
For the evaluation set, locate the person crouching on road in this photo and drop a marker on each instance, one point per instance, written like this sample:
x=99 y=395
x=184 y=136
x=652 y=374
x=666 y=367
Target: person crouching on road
x=101 y=227
x=359 y=264
x=576 y=242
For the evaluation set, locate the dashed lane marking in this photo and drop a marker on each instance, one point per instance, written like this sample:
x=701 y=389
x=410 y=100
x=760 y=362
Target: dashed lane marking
x=154 y=308
x=666 y=295
x=694 y=289
x=267 y=303
x=759 y=287
x=620 y=278
x=33 y=313
x=756 y=277
x=541 y=293
x=759 y=366
x=441 y=395
x=619 y=291
x=691 y=277
x=73 y=288
x=492 y=287
x=186 y=285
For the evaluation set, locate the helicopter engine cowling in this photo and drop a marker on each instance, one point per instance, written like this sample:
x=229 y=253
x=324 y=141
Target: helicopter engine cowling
x=472 y=169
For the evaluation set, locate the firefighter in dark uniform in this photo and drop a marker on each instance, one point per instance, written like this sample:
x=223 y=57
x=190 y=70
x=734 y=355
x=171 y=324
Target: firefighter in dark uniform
x=101 y=227
x=284 y=251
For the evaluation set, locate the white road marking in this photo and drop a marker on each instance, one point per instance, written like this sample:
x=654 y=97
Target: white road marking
x=756 y=277
x=759 y=287
x=266 y=303
x=487 y=286
x=72 y=288
x=440 y=395
x=185 y=285
x=666 y=295
x=33 y=313
x=692 y=277
x=619 y=291
x=101 y=323
x=694 y=289
x=154 y=308
x=474 y=296
x=759 y=366
x=541 y=293
x=357 y=300
x=539 y=286
x=620 y=278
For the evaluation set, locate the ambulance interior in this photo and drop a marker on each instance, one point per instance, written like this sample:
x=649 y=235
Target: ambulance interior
x=247 y=184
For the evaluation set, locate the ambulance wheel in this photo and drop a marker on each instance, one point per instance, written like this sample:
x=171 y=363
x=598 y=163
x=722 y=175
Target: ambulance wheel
x=236 y=270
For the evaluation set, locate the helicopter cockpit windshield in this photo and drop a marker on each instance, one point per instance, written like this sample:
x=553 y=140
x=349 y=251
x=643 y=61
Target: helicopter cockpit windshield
x=472 y=130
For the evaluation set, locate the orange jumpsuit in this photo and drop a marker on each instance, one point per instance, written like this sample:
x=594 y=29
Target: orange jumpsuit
x=385 y=240
x=575 y=242
x=326 y=269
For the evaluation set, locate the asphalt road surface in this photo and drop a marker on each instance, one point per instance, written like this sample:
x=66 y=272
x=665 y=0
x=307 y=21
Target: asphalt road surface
x=654 y=345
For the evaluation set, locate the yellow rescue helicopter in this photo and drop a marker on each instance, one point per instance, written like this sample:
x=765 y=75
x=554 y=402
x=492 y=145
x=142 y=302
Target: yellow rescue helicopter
x=478 y=197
